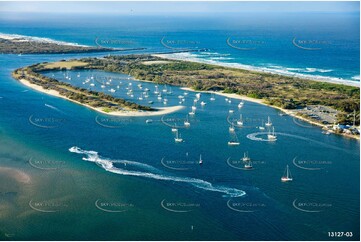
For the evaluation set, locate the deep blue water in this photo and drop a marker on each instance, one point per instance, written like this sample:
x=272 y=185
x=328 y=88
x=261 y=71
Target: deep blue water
x=263 y=40
x=269 y=210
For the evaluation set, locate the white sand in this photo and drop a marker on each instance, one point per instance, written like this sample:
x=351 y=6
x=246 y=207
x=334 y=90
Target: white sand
x=140 y=113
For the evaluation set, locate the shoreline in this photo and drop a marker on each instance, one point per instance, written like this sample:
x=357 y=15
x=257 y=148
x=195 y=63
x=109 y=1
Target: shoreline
x=259 y=70
x=160 y=110
x=260 y=101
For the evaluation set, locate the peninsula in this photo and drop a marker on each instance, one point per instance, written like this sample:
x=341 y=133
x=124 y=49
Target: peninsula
x=320 y=103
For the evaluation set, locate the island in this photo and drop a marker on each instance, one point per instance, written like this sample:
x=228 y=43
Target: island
x=335 y=107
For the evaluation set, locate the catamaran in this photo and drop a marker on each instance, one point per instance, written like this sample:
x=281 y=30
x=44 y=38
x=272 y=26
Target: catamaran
x=177 y=138
x=269 y=123
x=287 y=177
x=272 y=136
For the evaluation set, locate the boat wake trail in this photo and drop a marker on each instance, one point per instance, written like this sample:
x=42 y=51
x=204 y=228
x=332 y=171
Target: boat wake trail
x=152 y=172
x=54 y=108
x=254 y=137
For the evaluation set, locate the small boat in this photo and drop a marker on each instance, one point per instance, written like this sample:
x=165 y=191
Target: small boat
x=92 y=84
x=156 y=91
x=272 y=136
x=326 y=132
x=287 y=177
x=141 y=97
x=240 y=105
x=102 y=86
x=246 y=157
x=170 y=90
x=149 y=121
x=200 y=160
x=194 y=108
x=231 y=111
x=174 y=129
x=261 y=127
x=240 y=120
x=234 y=140
x=177 y=138
x=198 y=96
x=203 y=103
x=248 y=165
x=186 y=122
x=192 y=113
x=212 y=97
x=231 y=129
x=150 y=102
x=165 y=89
x=185 y=93
x=269 y=123
x=112 y=90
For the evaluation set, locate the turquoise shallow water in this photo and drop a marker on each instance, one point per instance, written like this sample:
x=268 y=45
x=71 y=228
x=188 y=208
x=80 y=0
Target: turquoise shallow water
x=131 y=181
x=176 y=208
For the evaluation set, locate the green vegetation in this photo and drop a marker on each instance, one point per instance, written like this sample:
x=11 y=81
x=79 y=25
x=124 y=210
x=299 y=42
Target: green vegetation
x=17 y=46
x=94 y=99
x=281 y=91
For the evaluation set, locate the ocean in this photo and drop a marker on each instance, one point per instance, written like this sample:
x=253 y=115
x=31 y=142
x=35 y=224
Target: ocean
x=68 y=172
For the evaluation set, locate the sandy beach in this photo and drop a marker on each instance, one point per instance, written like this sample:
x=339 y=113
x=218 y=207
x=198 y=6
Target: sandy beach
x=260 y=70
x=160 y=110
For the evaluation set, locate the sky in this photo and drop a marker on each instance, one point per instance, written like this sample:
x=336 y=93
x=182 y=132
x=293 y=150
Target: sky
x=175 y=7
